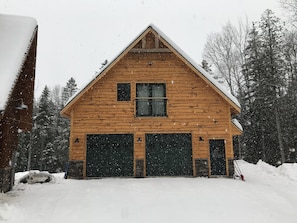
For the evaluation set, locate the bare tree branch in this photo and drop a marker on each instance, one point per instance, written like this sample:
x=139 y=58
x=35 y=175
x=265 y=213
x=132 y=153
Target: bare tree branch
x=290 y=6
x=225 y=51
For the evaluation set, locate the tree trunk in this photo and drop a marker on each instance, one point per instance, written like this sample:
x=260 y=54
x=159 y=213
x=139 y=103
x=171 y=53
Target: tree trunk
x=29 y=152
x=279 y=134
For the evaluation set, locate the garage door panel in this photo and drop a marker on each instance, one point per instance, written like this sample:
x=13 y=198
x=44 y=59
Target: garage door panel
x=168 y=155
x=109 y=155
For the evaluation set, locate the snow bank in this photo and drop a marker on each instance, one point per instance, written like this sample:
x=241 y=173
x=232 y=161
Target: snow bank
x=288 y=170
x=36 y=176
x=266 y=168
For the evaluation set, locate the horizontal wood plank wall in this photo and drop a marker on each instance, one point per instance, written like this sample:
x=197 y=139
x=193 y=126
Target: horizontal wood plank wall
x=193 y=106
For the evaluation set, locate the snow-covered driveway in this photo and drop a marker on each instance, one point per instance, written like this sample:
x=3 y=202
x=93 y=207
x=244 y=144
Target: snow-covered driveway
x=268 y=195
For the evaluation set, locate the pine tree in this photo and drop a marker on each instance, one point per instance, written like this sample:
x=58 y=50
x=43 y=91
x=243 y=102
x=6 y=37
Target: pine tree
x=273 y=83
x=44 y=131
x=264 y=77
x=46 y=146
x=49 y=158
x=23 y=152
x=253 y=144
x=289 y=107
x=69 y=90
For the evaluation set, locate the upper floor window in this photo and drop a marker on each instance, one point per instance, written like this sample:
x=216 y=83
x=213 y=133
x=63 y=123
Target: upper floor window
x=124 y=90
x=151 y=99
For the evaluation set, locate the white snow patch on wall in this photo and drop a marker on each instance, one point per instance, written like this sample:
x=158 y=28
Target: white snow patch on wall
x=15 y=36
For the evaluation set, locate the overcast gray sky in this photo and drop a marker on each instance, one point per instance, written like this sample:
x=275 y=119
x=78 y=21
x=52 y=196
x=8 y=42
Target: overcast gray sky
x=75 y=36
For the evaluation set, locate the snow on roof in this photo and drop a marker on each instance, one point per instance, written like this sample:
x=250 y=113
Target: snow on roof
x=16 y=33
x=237 y=124
x=219 y=86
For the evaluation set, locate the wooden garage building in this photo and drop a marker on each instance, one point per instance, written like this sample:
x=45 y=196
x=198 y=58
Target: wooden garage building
x=152 y=111
x=18 y=42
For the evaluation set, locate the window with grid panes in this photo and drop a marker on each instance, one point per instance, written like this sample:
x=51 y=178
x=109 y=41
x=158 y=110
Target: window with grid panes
x=151 y=100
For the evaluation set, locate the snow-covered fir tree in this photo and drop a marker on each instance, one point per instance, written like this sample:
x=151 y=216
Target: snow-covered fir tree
x=69 y=90
x=265 y=83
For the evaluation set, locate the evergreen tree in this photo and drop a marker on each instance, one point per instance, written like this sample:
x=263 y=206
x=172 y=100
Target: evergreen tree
x=23 y=152
x=273 y=83
x=46 y=146
x=251 y=117
x=289 y=107
x=265 y=83
x=69 y=90
x=43 y=128
x=49 y=158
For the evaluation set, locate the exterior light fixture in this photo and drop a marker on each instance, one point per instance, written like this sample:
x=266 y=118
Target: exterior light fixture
x=22 y=105
x=76 y=140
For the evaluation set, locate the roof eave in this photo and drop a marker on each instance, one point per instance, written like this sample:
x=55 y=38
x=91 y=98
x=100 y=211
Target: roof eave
x=65 y=111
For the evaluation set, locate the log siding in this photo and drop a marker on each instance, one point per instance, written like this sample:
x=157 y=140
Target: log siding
x=193 y=105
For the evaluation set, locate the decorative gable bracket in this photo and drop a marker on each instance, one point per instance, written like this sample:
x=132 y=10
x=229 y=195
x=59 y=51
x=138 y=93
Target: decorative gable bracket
x=150 y=43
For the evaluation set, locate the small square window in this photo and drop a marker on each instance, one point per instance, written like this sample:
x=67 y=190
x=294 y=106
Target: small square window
x=124 y=90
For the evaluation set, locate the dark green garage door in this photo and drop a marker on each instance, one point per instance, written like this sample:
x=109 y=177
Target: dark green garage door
x=109 y=155
x=169 y=155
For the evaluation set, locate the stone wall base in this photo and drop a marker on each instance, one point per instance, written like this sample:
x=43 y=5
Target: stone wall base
x=75 y=169
x=231 y=167
x=139 y=168
x=201 y=166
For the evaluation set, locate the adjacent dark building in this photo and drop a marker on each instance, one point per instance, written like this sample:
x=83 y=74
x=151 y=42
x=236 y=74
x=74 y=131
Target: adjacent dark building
x=18 y=43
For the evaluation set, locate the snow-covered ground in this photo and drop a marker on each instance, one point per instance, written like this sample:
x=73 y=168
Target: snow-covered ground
x=269 y=194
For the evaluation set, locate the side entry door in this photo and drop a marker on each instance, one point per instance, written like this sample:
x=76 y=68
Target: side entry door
x=217 y=156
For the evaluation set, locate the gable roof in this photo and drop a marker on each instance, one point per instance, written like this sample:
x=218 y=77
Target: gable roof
x=235 y=106
x=16 y=33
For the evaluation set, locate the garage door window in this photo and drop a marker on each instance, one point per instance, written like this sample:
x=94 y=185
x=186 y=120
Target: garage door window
x=151 y=100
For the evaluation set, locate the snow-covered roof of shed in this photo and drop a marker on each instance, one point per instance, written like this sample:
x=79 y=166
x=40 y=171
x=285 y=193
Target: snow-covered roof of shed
x=219 y=86
x=237 y=124
x=16 y=33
